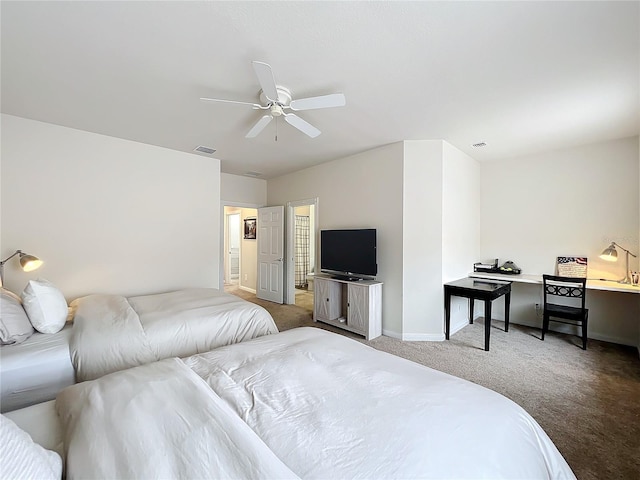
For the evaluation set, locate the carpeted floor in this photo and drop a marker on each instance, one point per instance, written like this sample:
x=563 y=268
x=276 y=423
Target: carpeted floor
x=588 y=402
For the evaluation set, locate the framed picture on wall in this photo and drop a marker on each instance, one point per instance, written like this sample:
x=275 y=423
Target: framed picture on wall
x=250 y=228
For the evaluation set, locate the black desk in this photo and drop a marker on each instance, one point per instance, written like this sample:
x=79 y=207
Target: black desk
x=473 y=288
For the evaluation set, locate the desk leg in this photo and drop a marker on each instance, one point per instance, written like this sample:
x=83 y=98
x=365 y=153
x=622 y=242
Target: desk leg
x=447 y=313
x=507 y=306
x=471 y=301
x=487 y=323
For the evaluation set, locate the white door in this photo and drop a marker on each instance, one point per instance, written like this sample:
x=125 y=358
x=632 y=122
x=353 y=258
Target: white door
x=270 y=254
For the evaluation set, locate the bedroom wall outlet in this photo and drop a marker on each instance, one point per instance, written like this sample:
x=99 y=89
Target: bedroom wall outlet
x=538 y=310
x=246 y=276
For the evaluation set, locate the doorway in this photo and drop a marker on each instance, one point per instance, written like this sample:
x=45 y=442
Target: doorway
x=232 y=260
x=240 y=253
x=302 y=237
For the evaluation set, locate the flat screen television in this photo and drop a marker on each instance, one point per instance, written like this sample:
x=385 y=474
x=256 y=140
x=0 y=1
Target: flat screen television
x=349 y=254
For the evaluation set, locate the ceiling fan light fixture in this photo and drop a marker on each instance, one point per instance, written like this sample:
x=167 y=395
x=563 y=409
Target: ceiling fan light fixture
x=276 y=110
x=277 y=100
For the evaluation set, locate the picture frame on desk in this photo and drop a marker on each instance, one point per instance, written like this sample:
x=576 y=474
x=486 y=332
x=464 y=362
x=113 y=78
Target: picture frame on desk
x=572 y=267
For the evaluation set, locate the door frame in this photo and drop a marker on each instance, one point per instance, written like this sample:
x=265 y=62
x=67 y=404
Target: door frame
x=289 y=244
x=223 y=234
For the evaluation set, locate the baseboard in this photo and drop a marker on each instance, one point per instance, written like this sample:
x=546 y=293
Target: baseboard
x=569 y=330
x=457 y=327
x=247 y=289
x=392 y=334
x=414 y=337
x=423 y=337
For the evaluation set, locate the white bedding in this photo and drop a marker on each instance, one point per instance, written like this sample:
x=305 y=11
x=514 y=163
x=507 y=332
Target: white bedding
x=112 y=333
x=159 y=420
x=330 y=407
x=36 y=370
x=324 y=405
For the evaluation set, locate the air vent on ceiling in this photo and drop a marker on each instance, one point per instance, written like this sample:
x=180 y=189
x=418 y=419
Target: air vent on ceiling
x=203 y=149
x=480 y=144
x=253 y=174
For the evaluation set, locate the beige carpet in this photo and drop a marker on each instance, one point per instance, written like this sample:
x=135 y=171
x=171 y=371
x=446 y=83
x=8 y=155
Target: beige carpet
x=588 y=402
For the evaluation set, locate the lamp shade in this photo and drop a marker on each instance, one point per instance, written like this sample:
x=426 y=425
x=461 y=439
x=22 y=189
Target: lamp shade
x=610 y=254
x=29 y=263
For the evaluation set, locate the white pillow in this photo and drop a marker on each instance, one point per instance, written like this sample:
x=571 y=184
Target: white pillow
x=45 y=305
x=22 y=458
x=14 y=324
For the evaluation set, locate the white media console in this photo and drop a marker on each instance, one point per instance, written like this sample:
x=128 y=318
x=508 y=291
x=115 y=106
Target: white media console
x=355 y=306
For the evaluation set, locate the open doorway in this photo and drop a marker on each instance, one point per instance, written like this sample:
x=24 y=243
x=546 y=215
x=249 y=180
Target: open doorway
x=240 y=253
x=232 y=252
x=303 y=240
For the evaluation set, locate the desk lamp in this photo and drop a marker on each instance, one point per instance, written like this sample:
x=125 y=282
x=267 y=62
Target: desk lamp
x=27 y=262
x=610 y=254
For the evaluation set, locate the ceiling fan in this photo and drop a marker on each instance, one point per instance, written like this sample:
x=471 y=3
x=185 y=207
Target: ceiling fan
x=276 y=99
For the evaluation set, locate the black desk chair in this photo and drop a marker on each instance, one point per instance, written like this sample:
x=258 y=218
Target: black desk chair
x=574 y=292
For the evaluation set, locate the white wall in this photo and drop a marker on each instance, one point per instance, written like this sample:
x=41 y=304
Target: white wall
x=361 y=191
x=422 y=241
x=239 y=190
x=567 y=202
x=107 y=215
x=460 y=224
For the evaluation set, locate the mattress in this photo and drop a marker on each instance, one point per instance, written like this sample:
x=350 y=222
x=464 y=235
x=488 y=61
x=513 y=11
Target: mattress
x=35 y=370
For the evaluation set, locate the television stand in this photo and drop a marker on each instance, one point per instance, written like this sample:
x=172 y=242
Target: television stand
x=353 y=305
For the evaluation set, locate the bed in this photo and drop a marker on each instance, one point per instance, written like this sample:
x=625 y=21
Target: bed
x=112 y=332
x=35 y=370
x=304 y=403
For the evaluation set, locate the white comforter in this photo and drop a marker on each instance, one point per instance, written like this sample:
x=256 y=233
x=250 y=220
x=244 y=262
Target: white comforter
x=111 y=332
x=324 y=405
x=158 y=421
x=330 y=407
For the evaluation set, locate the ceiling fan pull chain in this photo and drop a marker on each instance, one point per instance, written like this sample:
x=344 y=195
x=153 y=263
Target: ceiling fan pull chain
x=276 y=129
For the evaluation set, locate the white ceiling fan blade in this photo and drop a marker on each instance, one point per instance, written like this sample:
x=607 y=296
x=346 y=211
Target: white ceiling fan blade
x=323 y=101
x=254 y=105
x=259 y=126
x=267 y=82
x=302 y=125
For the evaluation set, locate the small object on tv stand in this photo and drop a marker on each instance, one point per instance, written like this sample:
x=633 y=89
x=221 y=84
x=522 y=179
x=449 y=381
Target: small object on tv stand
x=346 y=278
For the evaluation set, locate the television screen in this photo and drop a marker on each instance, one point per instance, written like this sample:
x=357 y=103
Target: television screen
x=351 y=252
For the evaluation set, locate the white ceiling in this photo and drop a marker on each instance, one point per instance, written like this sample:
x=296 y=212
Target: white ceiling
x=524 y=77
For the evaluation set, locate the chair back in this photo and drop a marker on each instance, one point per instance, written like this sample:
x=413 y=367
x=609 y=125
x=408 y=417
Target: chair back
x=557 y=288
